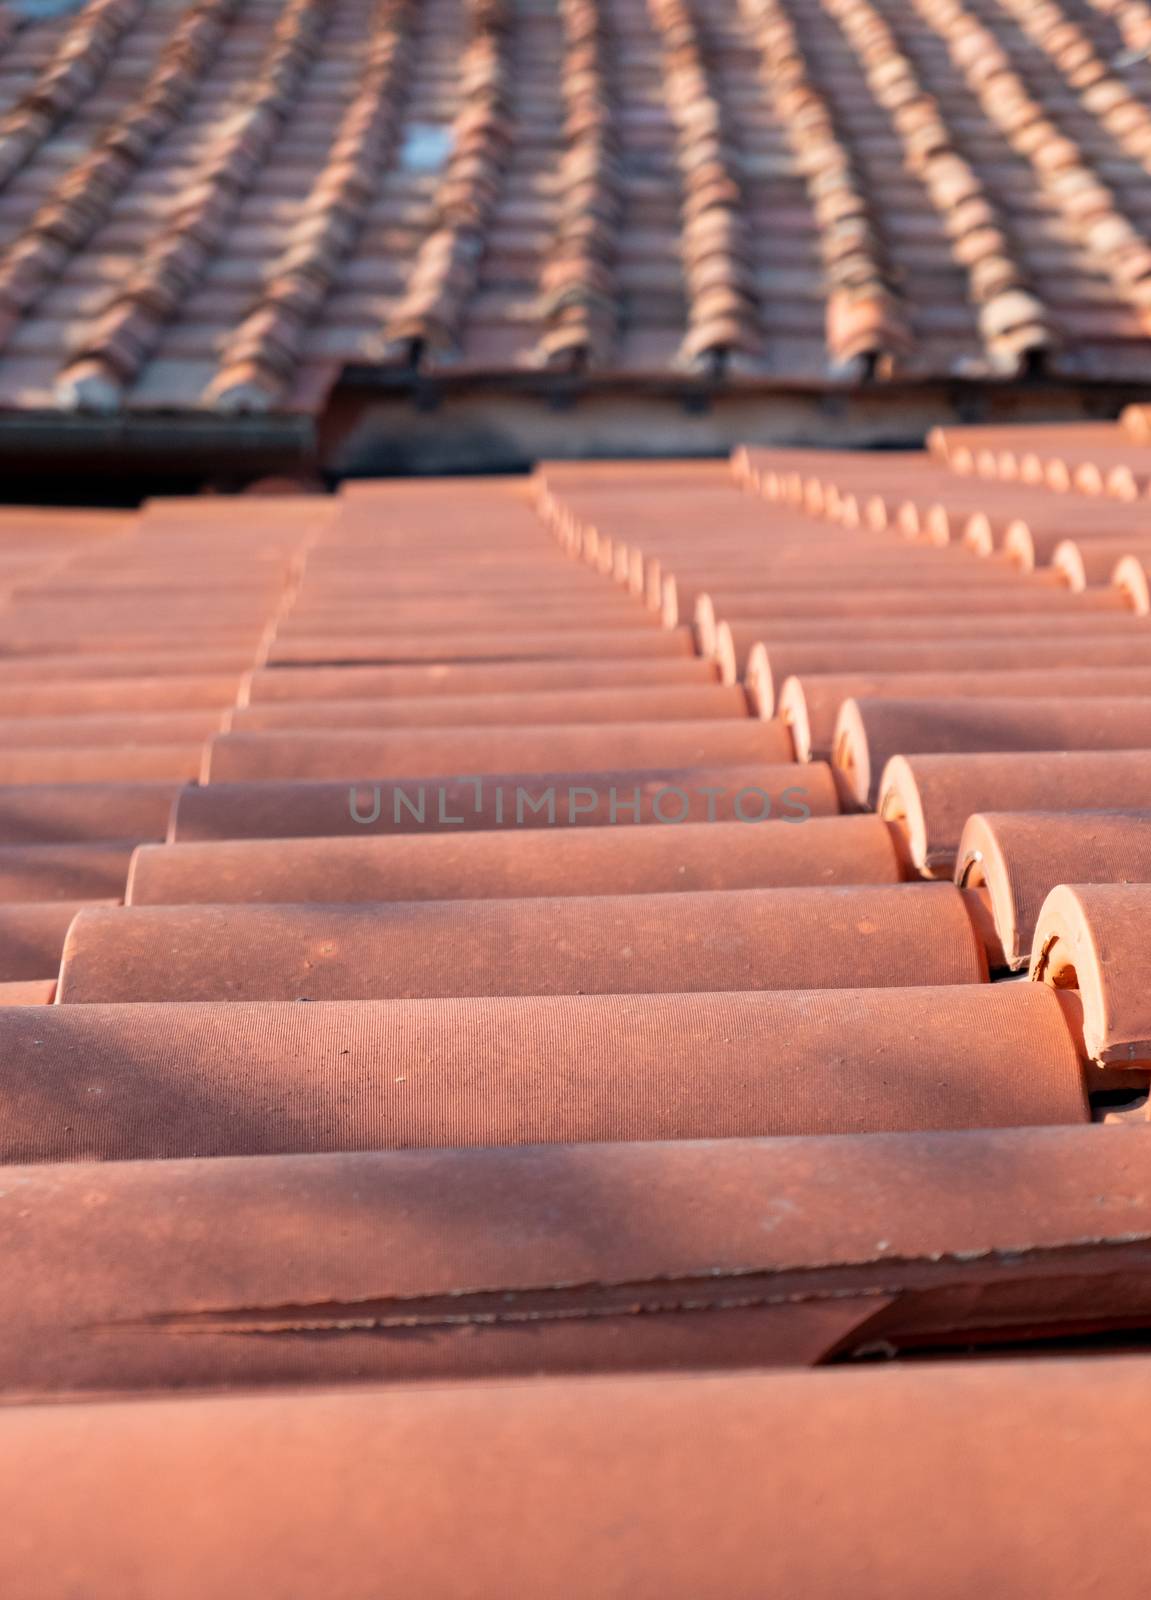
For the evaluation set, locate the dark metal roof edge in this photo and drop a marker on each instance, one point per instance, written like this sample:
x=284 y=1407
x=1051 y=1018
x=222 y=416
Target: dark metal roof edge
x=199 y=436
x=557 y=386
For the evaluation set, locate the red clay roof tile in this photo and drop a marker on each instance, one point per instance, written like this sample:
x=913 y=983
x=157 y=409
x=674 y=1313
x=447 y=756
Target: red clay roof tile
x=348 y=1248
x=32 y=936
x=809 y=704
x=932 y=796
x=870 y=731
x=1011 y=643
x=453 y=680
x=1020 y=856
x=686 y=702
x=1089 y=939
x=795 y=938
x=365 y=1480
x=428 y=752
x=236 y=1078
x=579 y=861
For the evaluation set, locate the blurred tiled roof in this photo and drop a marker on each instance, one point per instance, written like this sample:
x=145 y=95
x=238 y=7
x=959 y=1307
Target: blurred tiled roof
x=222 y=205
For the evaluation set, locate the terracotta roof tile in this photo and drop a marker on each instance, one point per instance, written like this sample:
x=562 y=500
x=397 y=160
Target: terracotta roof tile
x=866 y=321
x=582 y=274
x=151 y=660
x=70 y=215
x=766 y=1450
x=67 y=78
x=372 y=754
x=84 y=812
x=932 y=796
x=925 y=643
x=1087 y=940
x=444 y=273
x=1132 y=577
x=1081 y=563
x=1014 y=324
x=1089 y=458
x=490 y=1297
x=1021 y=856
x=721 y=310
x=116 y=763
x=809 y=704
x=498 y=864
x=678 y=703
x=240 y=1078
x=457 y=679
x=870 y=731
x=794 y=938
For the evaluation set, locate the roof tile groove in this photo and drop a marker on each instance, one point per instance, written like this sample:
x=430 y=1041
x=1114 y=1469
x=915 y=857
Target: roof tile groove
x=1101 y=92
x=80 y=200
x=261 y=355
x=111 y=353
x=428 y=318
x=73 y=73
x=866 y=324
x=823 y=193
x=579 y=284
x=1013 y=321
x=1061 y=167
x=721 y=313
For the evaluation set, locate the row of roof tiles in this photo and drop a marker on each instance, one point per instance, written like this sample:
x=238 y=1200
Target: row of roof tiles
x=757 y=191
x=304 y=733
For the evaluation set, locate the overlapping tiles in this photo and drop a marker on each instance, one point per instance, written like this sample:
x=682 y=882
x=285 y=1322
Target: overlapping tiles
x=527 y=903
x=760 y=191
